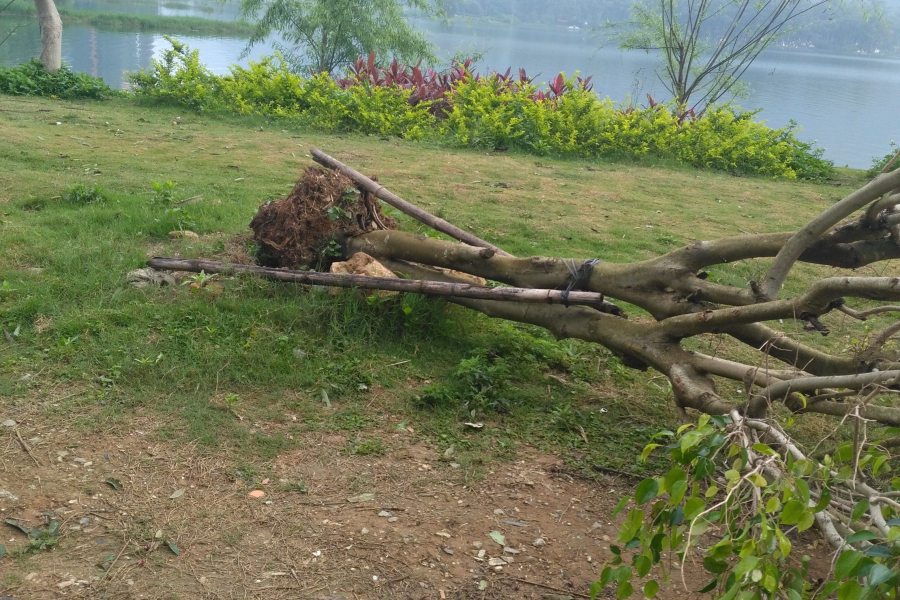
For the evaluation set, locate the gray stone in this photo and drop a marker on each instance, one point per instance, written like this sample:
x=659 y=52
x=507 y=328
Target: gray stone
x=538 y=543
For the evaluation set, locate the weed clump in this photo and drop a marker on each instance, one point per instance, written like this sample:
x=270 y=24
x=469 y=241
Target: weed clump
x=304 y=229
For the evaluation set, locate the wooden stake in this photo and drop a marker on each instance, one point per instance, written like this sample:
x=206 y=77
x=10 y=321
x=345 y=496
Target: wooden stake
x=416 y=286
x=402 y=205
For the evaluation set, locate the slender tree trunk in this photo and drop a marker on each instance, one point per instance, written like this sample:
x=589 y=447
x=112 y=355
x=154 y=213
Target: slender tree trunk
x=51 y=34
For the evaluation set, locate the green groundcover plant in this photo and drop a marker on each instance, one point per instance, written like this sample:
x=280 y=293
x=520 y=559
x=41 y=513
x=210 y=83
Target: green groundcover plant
x=31 y=79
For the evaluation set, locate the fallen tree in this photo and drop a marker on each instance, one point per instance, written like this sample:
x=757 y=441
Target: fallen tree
x=571 y=298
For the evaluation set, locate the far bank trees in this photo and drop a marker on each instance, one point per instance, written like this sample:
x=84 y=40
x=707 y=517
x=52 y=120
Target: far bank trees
x=322 y=35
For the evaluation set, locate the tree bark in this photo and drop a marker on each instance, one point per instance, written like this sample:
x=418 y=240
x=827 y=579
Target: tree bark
x=51 y=35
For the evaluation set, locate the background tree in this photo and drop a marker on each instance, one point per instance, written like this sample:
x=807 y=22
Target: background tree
x=707 y=45
x=51 y=34
x=322 y=35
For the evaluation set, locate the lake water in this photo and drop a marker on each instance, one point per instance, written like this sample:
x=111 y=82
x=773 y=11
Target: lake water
x=850 y=105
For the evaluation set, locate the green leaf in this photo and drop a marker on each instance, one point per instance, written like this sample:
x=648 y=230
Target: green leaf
x=792 y=512
x=709 y=586
x=672 y=477
x=113 y=483
x=597 y=587
x=621 y=505
x=714 y=565
x=824 y=501
x=693 y=507
x=878 y=551
x=846 y=562
x=763 y=449
x=498 y=537
x=850 y=590
x=642 y=566
x=624 y=591
x=173 y=548
x=806 y=521
x=2 y=550
x=605 y=577
x=747 y=564
x=861 y=536
x=859 y=510
x=647 y=450
x=631 y=525
x=651 y=588
x=646 y=490
x=772 y=505
x=879 y=574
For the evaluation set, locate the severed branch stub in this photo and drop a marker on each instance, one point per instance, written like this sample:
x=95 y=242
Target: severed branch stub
x=570 y=298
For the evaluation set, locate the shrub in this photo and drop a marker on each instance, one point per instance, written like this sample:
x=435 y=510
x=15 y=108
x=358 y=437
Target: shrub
x=498 y=110
x=879 y=163
x=32 y=79
x=179 y=78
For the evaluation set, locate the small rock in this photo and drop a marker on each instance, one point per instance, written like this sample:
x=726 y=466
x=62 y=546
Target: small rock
x=509 y=550
x=454 y=465
x=384 y=513
x=448 y=551
x=79 y=460
x=499 y=511
x=509 y=559
x=498 y=568
x=175 y=235
x=8 y=423
x=393 y=519
x=496 y=562
x=477 y=544
x=481 y=553
x=596 y=525
x=65 y=584
x=516 y=523
x=363 y=531
x=84 y=521
x=257 y=494
x=539 y=542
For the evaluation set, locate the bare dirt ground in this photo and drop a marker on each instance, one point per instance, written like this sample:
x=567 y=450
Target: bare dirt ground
x=330 y=525
x=424 y=534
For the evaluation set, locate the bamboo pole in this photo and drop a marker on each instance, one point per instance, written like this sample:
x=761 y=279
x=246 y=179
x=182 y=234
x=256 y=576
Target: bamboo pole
x=416 y=286
x=402 y=205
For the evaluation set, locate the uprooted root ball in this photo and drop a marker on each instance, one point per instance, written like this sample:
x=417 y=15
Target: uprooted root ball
x=303 y=229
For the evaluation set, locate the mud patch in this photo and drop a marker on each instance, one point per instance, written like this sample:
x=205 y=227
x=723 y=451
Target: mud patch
x=302 y=230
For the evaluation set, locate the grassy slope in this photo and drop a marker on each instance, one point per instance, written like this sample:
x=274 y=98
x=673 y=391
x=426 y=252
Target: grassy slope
x=92 y=349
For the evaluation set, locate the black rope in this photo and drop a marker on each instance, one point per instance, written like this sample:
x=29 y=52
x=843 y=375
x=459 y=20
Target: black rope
x=580 y=277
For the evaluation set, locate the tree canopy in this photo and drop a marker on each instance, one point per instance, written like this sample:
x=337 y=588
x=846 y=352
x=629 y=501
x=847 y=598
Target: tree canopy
x=322 y=35
x=706 y=45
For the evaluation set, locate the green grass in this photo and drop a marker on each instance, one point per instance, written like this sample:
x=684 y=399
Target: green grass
x=89 y=344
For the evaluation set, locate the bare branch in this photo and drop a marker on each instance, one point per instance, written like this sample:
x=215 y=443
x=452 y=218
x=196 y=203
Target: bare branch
x=816 y=228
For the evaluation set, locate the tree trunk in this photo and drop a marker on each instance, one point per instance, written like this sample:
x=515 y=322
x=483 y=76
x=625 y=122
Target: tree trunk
x=51 y=34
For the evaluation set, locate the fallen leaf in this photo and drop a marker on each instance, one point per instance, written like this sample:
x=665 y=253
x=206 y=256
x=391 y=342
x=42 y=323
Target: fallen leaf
x=176 y=494
x=114 y=483
x=475 y=425
x=498 y=537
x=265 y=481
x=173 y=548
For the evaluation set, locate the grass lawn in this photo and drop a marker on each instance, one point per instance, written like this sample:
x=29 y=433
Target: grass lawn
x=235 y=381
